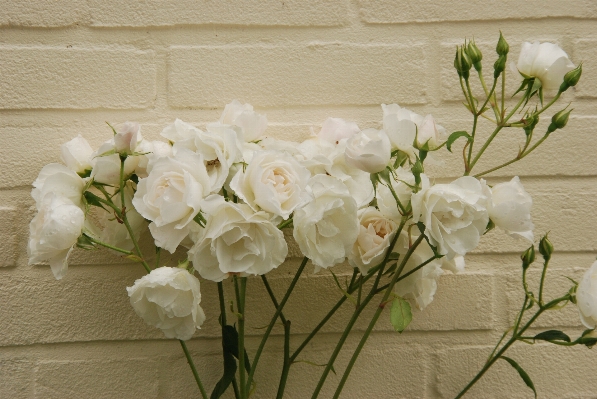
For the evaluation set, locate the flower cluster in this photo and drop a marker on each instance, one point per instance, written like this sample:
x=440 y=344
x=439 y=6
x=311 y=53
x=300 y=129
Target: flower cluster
x=224 y=193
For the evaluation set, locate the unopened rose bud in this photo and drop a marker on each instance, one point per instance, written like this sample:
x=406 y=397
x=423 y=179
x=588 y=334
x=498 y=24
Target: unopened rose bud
x=545 y=247
x=475 y=54
x=462 y=62
x=502 y=47
x=571 y=78
x=528 y=257
x=531 y=122
x=499 y=66
x=559 y=120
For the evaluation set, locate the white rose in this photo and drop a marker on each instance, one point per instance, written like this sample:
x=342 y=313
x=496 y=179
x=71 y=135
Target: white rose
x=369 y=150
x=170 y=196
x=402 y=184
x=586 y=297
x=54 y=231
x=422 y=284
x=273 y=181
x=77 y=154
x=403 y=126
x=545 y=61
x=510 y=209
x=107 y=165
x=116 y=233
x=375 y=234
x=127 y=137
x=59 y=180
x=251 y=124
x=327 y=226
x=455 y=215
x=169 y=298
x=236 y=239
x=335 y=130
x=150 y=152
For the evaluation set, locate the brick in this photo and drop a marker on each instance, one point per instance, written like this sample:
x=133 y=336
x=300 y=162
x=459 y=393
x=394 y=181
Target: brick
x=97 y=378
x=16 y=378
x=557 y=372
x=230 y=12
x=584 y=51
x=316 y=74
x=34 y=77
x=43 y=13
x=8 y=236
x=389 y=11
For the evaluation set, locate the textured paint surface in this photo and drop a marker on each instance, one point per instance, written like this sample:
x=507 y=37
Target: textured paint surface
x=68 y=66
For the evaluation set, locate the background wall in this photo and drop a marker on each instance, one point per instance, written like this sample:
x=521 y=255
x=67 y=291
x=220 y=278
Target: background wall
x=68 y=66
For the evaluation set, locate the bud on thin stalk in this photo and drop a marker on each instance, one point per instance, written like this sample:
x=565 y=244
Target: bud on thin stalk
x=462 y=63
x=499 y=66
x=475 y=55
x=571 y=78
x=559 y=120
x=502 y=47
x=545 y=247
x=528 y=257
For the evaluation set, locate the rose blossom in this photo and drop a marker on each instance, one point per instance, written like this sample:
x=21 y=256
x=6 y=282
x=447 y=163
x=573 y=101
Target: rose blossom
x=77 y=155
x=127 y=137
x=402 y=184
x=403 y=125
x=455 y=215
x=335 y=130
x=586 y=297
x=251 y=124
x=510 y=209
x=375 y=234
x=236 y=239
x=545 y=61
x=368 y=150
x=59 y=180
x=170 y=196
x=54 y=231
x=327 y=226
x=273 y=181
x=169 y=298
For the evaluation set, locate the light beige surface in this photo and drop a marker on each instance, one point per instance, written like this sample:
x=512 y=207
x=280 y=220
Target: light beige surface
x=67 y=66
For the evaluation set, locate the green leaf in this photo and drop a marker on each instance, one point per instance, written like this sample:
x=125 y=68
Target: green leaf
x=400 y=314
x=93 y=199
x=587 y=338
x=230 y=338
x=229 y=373
x=552 y=335
x=455 y=136
x=134 y=258
x=523 y=374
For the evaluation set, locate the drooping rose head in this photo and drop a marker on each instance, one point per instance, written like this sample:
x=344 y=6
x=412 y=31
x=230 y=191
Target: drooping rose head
x=455 y=215
x=369 y=150
x=586 y=297
x=236 y=239
x=545 y=61
x=127 y=137
x=54 y=231
x=169 y=298
x=58 y=180
x=510 y=209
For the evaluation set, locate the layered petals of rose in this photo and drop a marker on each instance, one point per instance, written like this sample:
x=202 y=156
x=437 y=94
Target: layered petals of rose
x=545 y=61
x=586 y=297
x=236 y=239
x=169 y=298
x=54 y=231
x=375 y=235
x=59 y=180
x=77 y=154
x=369 y=150
x=273 y=182
x=510 y=209
x=455 y=215
x=171 y=196
x=327 y=226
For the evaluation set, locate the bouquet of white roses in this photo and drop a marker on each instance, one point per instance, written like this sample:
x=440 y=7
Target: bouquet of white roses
x=225 y=194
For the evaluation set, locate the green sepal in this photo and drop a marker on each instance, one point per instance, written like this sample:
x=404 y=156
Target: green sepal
x=93 y=200
x=84 y=242
x=455 y=136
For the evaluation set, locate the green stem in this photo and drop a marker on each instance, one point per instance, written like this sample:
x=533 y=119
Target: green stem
x=490 y=96
x=398 y=203
x=543 y=274
x=549 y=104
x=193 y=368
x=274 y=318
x=240 y=304
x=223 y=324
x=468 y=100
x=285 y=223
x=103 y=244
x=272 y=297
x=376 y=316
x=422 y=265
x=286 y=366
x=503 y=93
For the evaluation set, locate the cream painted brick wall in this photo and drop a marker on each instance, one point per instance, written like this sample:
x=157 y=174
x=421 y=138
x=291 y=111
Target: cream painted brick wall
x=68 y=66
